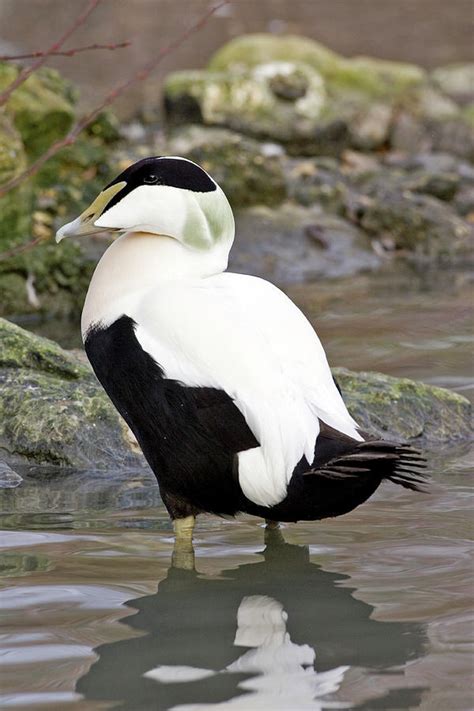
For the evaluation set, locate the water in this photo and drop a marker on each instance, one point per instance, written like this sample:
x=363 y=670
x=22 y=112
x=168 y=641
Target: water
x=367 y=611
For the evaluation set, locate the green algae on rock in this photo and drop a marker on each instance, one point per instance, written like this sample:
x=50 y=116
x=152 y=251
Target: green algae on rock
x=247 y=51
x=42 y=108
x=403 y=409
x=21 y=349
x=421 y=226
x=53 y=411
x=280 y=101
x=293 y=90
x=374 y=77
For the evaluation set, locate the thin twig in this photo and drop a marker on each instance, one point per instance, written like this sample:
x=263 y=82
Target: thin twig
x=64 y=53
x=20 y=248
x=142 y=74
x=27 y=71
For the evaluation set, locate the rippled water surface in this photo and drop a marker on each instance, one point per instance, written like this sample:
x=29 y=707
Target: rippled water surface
x=367 y=611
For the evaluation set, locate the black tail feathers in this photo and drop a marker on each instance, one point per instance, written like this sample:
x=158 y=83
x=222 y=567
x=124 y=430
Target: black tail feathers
x=399 y=463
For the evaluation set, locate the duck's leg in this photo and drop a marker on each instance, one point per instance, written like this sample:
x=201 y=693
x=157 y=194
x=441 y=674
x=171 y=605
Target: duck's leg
x=183 y=516
x=271 y=525
x=273 y=535
x=183 y=551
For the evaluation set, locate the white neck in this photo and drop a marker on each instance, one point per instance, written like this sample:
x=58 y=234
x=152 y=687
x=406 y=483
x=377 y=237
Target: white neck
x=137 y=262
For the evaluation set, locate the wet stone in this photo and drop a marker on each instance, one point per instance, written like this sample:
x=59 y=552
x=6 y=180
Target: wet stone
x=8 y=478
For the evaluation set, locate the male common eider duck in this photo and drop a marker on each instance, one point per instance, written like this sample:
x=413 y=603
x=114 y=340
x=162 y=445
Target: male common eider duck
x=221 y=378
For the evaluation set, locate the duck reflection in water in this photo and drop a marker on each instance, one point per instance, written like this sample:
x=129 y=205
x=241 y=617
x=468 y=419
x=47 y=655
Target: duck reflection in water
x=283 y=674
x=301 y=630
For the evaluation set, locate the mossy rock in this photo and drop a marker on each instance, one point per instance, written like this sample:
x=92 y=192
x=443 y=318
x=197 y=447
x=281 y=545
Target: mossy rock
x=42 y=108
x=248 y=51
x=295 y=91
x=456 y=80
x=52 y=409
x=20 y=349
x=247 y=173
x=279 y=101
x=402 y=409
x=418 y=225
x=375 y=78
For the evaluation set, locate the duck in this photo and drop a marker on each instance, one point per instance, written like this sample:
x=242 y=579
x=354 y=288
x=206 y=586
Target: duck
x=219 y=375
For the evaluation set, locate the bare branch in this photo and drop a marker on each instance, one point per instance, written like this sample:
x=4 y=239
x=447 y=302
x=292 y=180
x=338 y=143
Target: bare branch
x=64 y=53
x=19 y=248
x=144 y=71
x=25 y=73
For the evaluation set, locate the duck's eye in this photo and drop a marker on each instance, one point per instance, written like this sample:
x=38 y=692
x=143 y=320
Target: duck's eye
x=150 y=179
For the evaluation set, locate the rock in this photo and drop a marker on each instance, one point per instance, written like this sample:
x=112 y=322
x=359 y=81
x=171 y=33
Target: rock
x=419 y=225
x=295 y=91
x=411 y=175
x=8 y=478
x=52 y=409
x=54 y=412
x=464 y=202
x=291 y=243
x=454 y=136
x=456 y=80
x=249 y=172
x=439 y=129
x=42 y=108
x=429 y=162
x=247 y=51
x=369 y=129
x=402 y=409
x=319 y=181
x=375 y=77
x=278 y=101
x=443 y=186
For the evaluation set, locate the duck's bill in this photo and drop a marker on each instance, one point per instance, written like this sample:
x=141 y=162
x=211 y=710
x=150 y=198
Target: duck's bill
x=85 y=223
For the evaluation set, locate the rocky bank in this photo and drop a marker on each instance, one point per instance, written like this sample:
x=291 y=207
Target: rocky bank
x=54 y=412
x=357 y=163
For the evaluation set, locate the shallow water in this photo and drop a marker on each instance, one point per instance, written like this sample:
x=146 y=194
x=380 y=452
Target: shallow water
x=367 y=611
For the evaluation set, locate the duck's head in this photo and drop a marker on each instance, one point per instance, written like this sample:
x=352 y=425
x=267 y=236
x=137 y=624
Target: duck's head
x=167 y=196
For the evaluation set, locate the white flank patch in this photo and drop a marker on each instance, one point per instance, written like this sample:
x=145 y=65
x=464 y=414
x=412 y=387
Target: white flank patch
x=244 y=336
